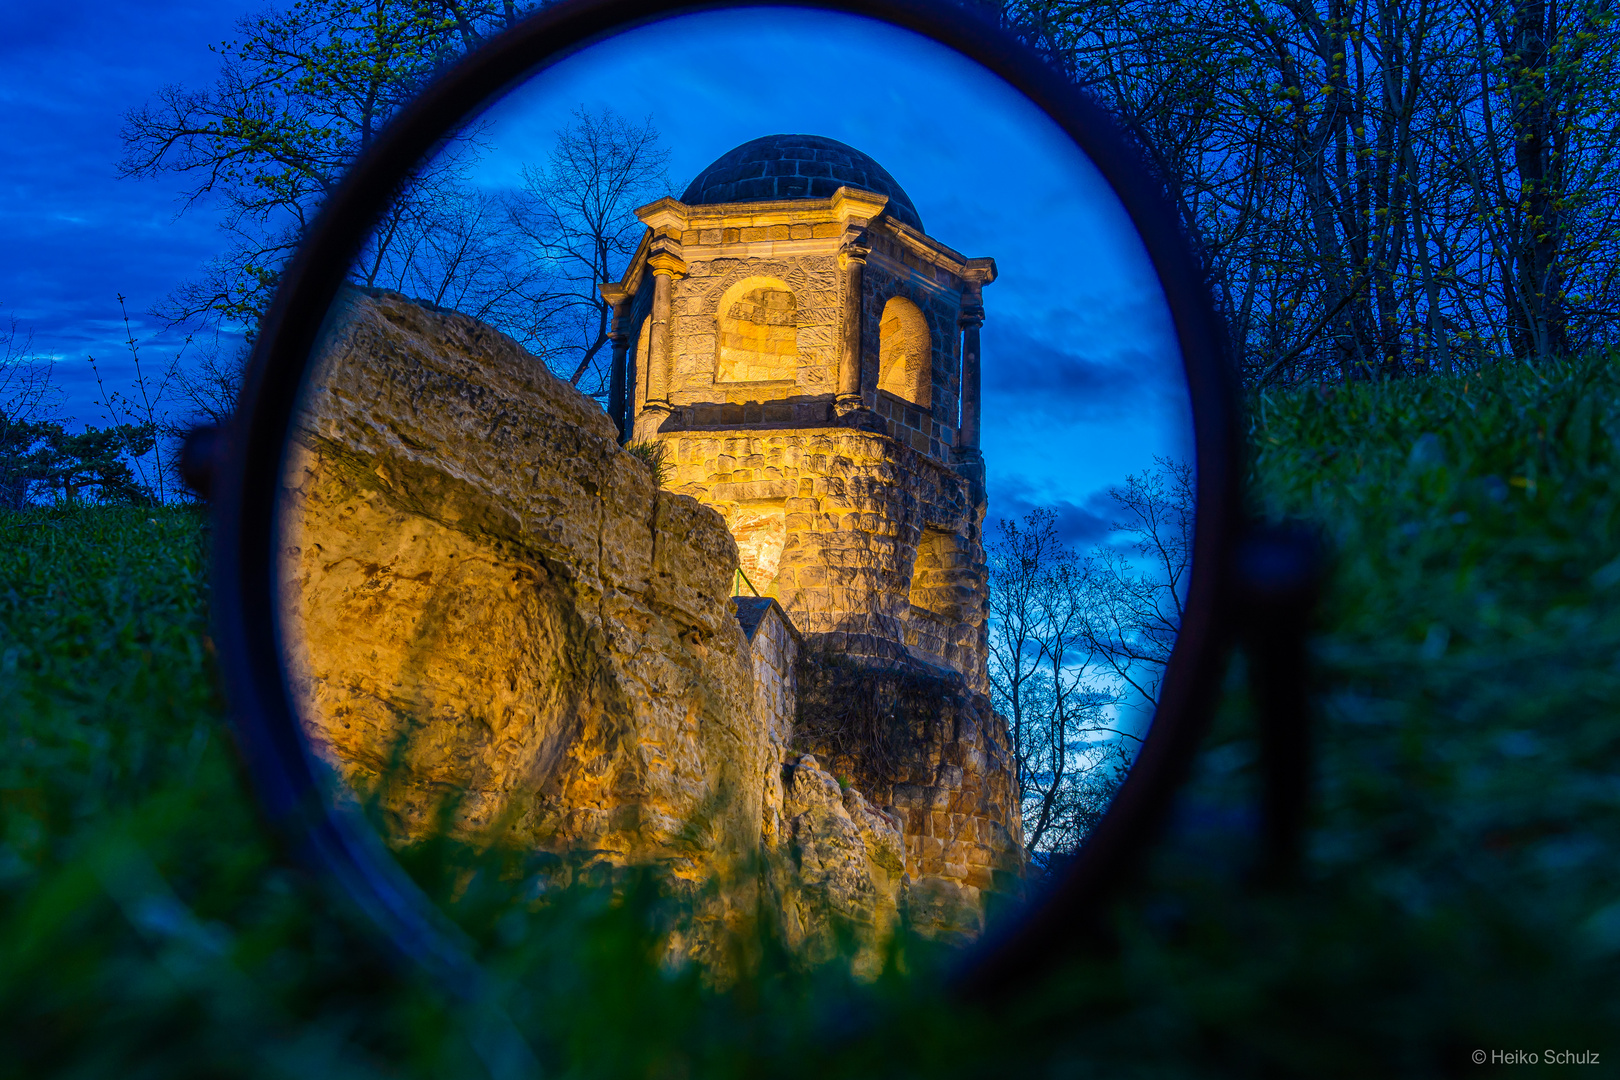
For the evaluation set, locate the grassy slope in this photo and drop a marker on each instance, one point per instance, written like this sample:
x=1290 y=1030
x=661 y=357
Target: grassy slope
x=1464 y=883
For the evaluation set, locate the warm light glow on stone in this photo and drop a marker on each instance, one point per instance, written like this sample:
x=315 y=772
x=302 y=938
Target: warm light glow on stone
x=758 y=332
x=905 y=352
x=760 y=529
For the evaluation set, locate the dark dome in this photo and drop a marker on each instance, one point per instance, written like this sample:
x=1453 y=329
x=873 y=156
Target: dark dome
x=796 y=167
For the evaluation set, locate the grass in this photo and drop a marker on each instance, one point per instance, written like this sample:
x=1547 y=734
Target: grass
x=1462 y=889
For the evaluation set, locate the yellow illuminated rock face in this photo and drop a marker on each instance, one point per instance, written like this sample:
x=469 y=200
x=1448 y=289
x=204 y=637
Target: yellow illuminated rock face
x=492 y=610
x=497 y=625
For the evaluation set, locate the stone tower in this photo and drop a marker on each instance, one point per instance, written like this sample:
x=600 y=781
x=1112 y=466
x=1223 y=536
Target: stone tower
x=810 y=357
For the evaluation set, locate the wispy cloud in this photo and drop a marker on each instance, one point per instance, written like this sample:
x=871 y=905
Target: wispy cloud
x=1081 y=523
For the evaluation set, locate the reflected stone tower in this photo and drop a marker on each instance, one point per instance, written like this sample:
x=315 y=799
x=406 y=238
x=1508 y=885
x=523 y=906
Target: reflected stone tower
x=810 y=357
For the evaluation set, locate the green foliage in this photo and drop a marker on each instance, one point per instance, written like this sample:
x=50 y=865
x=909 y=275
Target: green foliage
x=300 y=94
x=42 y=460
x=1460 y=890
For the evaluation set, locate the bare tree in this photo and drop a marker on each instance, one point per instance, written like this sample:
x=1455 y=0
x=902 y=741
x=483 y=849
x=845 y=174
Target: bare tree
x=1039 y=679
x=1382 y=186
x=301 y=92
x=578 y=213
x=1074 y=639
x=1134 y=608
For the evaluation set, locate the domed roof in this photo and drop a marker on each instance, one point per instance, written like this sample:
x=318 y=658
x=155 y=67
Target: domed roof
x=796 y=167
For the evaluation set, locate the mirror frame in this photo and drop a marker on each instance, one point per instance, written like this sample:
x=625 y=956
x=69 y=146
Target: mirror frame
x=245 y=474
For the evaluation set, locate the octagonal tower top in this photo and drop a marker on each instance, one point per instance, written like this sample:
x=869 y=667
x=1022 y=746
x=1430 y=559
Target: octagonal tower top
x=791 y=287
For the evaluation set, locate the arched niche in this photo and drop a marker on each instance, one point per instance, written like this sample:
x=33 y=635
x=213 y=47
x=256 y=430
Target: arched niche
x=760 y=529
x=905 y=352
x=757 y=332
x=941 y=594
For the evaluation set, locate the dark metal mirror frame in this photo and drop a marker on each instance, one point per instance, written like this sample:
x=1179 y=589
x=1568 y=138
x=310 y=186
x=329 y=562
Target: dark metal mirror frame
x=244 y=473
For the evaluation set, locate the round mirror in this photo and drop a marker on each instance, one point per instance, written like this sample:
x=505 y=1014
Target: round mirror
x=781 y=451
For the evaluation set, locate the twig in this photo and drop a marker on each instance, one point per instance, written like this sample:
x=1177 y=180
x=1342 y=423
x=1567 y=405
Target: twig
x=1310 y=336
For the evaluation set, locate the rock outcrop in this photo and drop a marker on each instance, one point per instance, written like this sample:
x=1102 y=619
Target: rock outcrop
x=845 y=880
x=918 y=741
x=491 y=606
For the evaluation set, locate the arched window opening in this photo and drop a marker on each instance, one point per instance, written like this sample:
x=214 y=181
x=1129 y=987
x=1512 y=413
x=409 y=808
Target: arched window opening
x=905 y=352
x=757 y=332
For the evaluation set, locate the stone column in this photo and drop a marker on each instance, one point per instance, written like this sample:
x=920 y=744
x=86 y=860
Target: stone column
x=852 y=261
x=976 y=274
x=619 y=336
x=666 y=266
x=970 y=319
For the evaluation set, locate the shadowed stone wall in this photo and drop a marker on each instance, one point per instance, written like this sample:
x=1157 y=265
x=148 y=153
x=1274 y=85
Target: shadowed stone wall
x=931 y=752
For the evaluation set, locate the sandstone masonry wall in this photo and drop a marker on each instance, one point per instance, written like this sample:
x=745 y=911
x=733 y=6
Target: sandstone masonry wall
x=937 y=758
x=841 y=516
x=774 y=647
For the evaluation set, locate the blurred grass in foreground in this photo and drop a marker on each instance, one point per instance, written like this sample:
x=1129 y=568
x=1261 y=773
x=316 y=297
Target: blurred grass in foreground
x=1463 y=889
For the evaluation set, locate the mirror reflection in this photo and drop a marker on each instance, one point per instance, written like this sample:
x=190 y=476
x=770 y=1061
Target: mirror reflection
x=782 y=482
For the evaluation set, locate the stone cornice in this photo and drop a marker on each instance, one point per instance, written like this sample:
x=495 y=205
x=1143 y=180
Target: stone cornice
x=671 y=221
x=980 y=272
x=665 y=214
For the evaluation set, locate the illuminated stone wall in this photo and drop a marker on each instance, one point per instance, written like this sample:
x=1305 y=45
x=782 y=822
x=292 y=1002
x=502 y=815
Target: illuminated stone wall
x=812 y=370
x=894 y=271
x=842 y=515
x=484 y=595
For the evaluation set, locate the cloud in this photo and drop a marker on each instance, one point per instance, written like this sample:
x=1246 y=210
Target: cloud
x=1046 y=376
x=75 y=234
x=1081 y=524
x=1084 y=364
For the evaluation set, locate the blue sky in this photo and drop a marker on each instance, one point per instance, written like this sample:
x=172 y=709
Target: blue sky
x=73 y=235
x=1082 y=379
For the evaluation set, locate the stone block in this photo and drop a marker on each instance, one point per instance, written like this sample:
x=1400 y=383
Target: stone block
x=980 y=877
